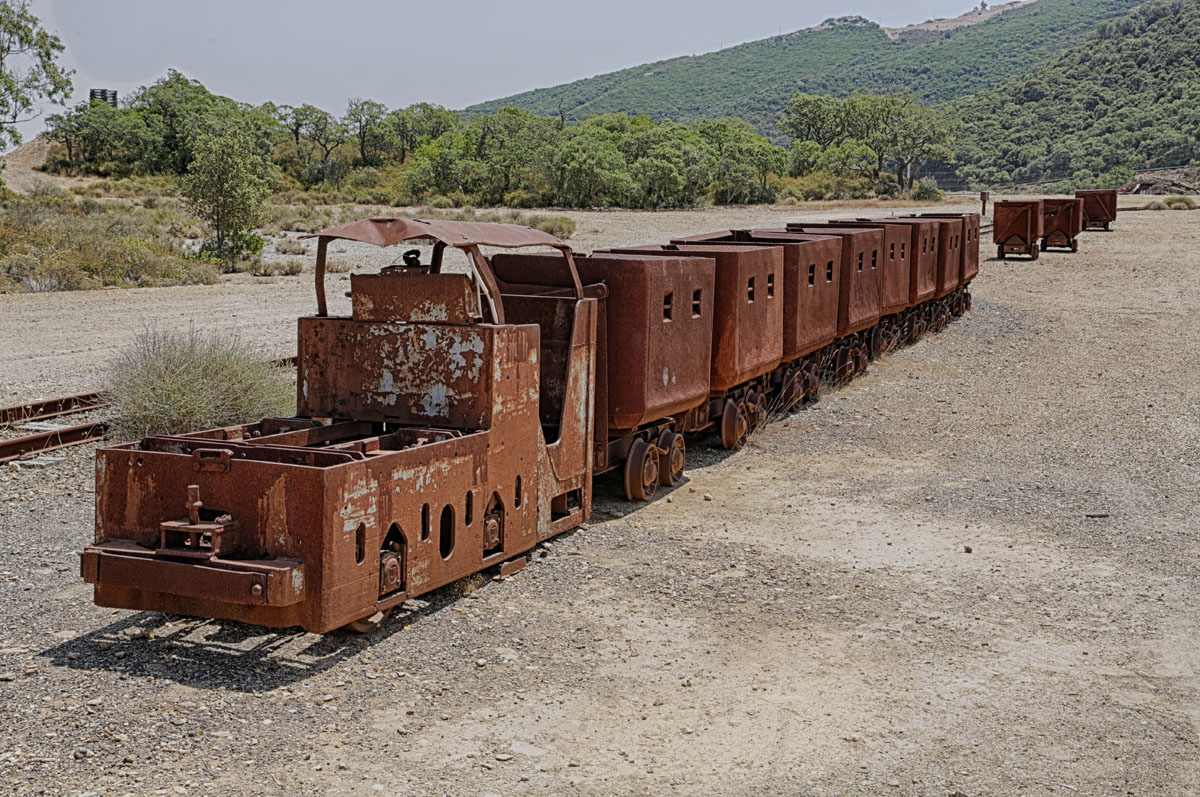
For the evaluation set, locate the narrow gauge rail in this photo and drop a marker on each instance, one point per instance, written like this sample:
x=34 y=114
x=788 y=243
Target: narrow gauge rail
x=52 y=439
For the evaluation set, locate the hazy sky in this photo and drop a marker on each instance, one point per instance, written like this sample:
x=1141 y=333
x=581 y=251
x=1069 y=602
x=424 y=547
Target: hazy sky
x=451 y=53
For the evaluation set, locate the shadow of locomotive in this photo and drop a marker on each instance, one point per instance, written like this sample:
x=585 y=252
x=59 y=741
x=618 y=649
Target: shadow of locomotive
x=216 y=654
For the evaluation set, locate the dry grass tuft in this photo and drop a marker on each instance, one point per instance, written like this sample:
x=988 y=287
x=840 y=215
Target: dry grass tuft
x=171 y=382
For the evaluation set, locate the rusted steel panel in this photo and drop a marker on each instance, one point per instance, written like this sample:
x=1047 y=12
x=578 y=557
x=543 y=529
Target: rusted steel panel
x=747 y=338
x=1062 y=222
x=861 y=282
x=1099 y=208
x=427 y=374
x=1017 y=226
x=811 y=278
x=969 y=242
x=415 y=298
x=658 y=317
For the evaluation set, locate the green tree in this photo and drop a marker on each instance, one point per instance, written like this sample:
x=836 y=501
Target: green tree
x=365 y=120
x=809 y=117
x=921 y=133
x=324 y=130
x=225 y=186
x=29 y=69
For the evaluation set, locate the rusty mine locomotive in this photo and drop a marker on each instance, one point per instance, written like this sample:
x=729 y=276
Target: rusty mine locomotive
x=456 y=418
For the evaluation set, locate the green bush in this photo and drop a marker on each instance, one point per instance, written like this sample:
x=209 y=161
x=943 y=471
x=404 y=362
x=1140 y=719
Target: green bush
x=171 y=382
x=440 y=202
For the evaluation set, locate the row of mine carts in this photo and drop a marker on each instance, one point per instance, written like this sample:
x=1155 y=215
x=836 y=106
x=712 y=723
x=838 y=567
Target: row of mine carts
x=456 y=418
x=1054 y=222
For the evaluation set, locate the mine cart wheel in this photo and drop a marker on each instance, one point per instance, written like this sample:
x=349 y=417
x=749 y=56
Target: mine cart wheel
x=641 y=471
x=791 y=389
x=734 y=426
x=1000 y=252
x=1074 y=244
x=861 y=359
x=1045 y=244
x=812 y=386
x=671 y=464
x=1106 y=227
x=1034 y=254
x=756 y=413
x=877 y=342
x=843 y=365
x=966 y=301
x=366 y=625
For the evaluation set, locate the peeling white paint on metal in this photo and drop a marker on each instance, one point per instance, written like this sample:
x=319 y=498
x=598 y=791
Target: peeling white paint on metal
x=436 y=401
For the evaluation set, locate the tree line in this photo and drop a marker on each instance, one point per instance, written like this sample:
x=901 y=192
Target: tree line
x=427 y=153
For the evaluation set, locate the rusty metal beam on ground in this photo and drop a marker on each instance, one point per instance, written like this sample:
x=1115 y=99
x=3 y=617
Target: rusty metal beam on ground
x=49 y=441
x=50 y=408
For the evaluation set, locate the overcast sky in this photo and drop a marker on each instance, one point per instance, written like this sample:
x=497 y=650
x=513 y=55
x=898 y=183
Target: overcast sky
x=451 y=53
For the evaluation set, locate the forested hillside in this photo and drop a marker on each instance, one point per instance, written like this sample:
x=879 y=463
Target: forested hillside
x=1129 y=97
x=755 y=80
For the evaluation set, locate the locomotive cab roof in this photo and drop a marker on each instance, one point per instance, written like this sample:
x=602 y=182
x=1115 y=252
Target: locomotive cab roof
x=467 y=236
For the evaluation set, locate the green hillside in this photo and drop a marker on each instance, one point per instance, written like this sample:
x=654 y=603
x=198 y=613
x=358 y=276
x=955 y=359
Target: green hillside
x=1129 y=97
x=755 y=80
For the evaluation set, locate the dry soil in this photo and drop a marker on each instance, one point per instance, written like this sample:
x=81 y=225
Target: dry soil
x=973 y=571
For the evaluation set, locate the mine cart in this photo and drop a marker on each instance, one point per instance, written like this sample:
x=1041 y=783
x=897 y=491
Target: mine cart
x=654 y=347
x=747 y=337
x=1062 y=222
x=443 y=427
x=1017 y=227
x=968 y=243
x=860 y=299
x=920 y=250
x=811 y=278
x=1099 y=208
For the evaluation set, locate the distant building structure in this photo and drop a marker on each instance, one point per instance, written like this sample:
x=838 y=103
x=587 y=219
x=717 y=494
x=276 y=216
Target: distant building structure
x=104 y=95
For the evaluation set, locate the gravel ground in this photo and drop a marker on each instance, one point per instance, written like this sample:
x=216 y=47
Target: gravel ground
x=973 y=571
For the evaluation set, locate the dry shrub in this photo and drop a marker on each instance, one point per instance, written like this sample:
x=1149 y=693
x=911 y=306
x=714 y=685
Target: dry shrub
x=558 y=226
x=1156 y=204
x=335 y=265
x=1181 y=203
x=289 y=246
x=171 y=382
x=280 y=268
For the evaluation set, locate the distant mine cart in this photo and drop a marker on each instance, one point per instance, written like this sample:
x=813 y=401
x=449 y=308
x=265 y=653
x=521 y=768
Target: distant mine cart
x=1099 y=208
x=1017 y=227
x=1062 y=223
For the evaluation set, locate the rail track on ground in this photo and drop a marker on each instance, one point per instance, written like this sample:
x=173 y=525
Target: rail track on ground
x=42 y=419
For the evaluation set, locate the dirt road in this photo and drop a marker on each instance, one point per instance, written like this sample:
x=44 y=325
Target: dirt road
x=973 y=571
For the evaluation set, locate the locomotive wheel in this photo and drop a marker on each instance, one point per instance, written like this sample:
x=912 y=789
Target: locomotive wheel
x=671 y=464
x=641 y=471
x=365 y=625
x=734 y=427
